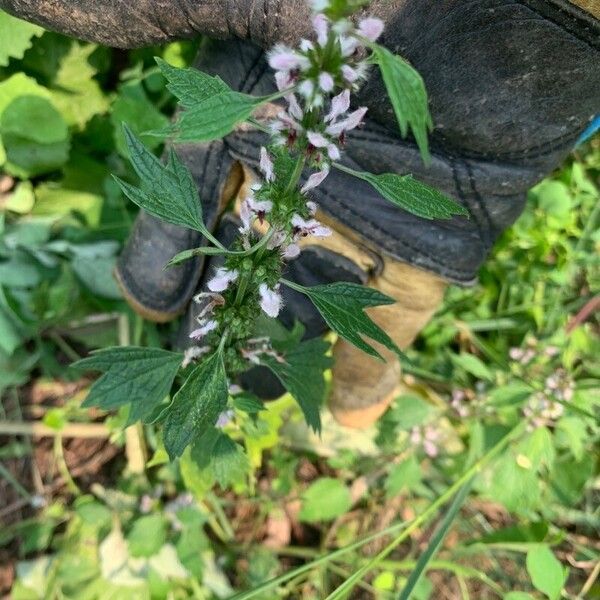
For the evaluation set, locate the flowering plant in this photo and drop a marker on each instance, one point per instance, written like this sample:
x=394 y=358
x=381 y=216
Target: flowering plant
x=304 y=142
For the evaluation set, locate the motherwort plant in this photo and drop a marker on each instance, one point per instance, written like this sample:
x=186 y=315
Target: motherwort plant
x=304 y=142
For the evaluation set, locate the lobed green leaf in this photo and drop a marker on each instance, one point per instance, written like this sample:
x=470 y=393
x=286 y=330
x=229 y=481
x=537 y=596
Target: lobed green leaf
x=342 y=306
x=168 y=191
x=138 y=376
x=197 y=405
x=215 y=117
x=190 y=86
x=302 y=375
x=407 y=93
x=414 y=196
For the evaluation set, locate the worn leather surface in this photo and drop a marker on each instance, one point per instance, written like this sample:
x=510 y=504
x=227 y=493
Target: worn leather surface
x=511 y=86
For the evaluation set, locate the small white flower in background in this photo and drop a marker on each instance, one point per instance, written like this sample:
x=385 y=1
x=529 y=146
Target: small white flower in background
x=426 y=436
x=205 y=327
x=266 y=164
x=192 y=353
x=270 y=300
x=371 y=28
x=315 y=180
x=224 y=418
x=222 y=279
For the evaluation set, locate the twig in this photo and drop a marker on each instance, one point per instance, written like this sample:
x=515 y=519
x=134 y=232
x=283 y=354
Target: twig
x=36 y=428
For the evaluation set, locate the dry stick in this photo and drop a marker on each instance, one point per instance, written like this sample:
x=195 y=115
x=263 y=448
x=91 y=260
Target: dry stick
x=38 y=429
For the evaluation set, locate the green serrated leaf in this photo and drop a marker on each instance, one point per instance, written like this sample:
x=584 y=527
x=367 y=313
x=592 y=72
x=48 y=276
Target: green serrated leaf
x=413 y=196
x=248 y=403
x=147 y=535
x=197 y=405
x=325 y=499
x=190 y=86
x=546 y=572
x=407 y=93
x=168 y=191
x=140 y=376
x=228 y=460
x=342 y=306
x=215 y=117
x=302 y=376
x=15 y=37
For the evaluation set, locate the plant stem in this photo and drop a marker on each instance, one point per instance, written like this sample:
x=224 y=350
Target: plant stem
x=296 y=173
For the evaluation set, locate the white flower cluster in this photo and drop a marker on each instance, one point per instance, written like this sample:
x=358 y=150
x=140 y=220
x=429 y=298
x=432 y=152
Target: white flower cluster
x=544 y=408
x=428 y=437
x=317 y=78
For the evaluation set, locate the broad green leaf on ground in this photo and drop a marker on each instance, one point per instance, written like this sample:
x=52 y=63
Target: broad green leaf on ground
x=407 y=93
x=54 y=201
x=413 y=196
x=473 y=365
x=10 y=338
x=147 y=535
x=197 y=405
x=342 y=306
x=325 y=499
x=215 y=117
x=302 y=375
x=141 y=377
x=191 y=86
x=546 y=572
x=20 y=200
x=15 y=37
x=97 y=275
x=408 y=411
x=404 y=476
x=133 y=107
x=167 y=191
x=75 y=92
x=20 y=85
x=34 y=135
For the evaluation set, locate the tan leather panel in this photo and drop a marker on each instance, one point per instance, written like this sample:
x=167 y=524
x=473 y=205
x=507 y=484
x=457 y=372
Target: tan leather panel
x=591 y=6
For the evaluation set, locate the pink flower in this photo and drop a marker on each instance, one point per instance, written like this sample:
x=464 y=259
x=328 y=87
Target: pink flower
x=266 y=164
x=294 y=108
x=339 y=105
x=270 y=300
x=283 y=80
x=283 y=58
x=353 y=120
x=224 y=418
x=371 y=28
x=326 y=82
x=306 y=45
x=205 y=328
x=315 y=179
x=348 y=45
x=306 y=88
x=333 y=152
x=312 y=208
x=318 y=140
x=310 y=227
x=349 y=74
x=223 y=277
x=321 y=25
